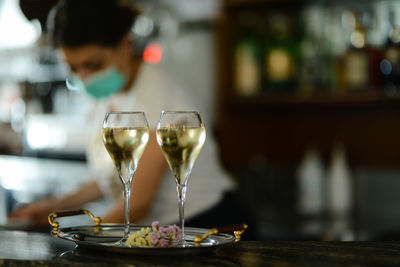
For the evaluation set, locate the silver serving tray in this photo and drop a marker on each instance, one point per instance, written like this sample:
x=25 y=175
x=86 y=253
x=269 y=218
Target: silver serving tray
x=106 y=236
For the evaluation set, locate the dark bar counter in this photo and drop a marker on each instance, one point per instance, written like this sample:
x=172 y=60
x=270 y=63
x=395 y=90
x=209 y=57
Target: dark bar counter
x=18 y=248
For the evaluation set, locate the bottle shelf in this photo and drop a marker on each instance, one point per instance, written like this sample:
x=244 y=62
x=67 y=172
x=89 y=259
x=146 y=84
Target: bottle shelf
x=251 y=3
x=353 y=95
x=356 y=100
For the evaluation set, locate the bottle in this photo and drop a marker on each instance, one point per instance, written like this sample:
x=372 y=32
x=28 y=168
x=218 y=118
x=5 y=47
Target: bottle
x=281 y=53
x=339 y=184
x=356 y=60
x=247 y=55
x=311 y=68
x=311 y=180
x=390 y=63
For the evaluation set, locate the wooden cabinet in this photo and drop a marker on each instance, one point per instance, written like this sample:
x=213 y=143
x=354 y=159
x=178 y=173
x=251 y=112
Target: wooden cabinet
x=278 y=128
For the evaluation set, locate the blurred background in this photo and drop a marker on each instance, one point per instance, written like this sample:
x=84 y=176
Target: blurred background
x=303 y=97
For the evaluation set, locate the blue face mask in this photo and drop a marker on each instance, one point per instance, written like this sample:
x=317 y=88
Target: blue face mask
x=98 y=85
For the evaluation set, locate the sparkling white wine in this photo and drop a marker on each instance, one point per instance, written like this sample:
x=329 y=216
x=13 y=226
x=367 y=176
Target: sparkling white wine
x=181 y=146
x=125 y=146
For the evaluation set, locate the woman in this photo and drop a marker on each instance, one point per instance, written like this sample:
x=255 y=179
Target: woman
x=93 y=38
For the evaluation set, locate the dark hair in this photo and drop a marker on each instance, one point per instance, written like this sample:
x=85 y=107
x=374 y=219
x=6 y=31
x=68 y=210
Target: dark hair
x=75 y=23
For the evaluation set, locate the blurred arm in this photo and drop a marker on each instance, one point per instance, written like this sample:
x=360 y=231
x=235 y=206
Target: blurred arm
x=37 y=212
x=87 y=193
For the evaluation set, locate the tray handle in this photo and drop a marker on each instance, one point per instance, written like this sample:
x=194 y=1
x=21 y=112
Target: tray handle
x=59 y=214
x=237 y=229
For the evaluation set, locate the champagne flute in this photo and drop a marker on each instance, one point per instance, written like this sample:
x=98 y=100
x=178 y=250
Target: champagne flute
x=125 y=136
x=181 y=135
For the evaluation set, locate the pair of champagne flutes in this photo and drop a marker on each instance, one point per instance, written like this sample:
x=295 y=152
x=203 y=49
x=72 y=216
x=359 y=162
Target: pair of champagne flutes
x=180 y=135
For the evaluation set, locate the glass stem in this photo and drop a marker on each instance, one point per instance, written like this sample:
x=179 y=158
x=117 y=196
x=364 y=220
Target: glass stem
x=182 y=195
x=127 y=194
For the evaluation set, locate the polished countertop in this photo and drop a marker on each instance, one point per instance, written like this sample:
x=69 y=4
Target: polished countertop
x=41 y=249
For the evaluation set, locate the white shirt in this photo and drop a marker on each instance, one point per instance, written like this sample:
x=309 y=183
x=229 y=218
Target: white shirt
x=152 y=92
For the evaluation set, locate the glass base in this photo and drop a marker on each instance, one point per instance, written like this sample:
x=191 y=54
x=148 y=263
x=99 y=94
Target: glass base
x=184 y=244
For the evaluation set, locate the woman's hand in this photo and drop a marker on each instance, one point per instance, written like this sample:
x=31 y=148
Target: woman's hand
x=38 y=212
x=35 y=213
